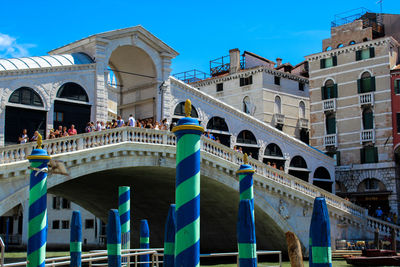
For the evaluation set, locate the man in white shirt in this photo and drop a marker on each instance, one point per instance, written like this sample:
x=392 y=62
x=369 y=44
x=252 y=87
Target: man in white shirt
x=131 y=121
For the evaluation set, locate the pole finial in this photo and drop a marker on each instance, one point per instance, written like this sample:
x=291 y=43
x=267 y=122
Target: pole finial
x=188 y=108
x=39 y=141
x=245 y=159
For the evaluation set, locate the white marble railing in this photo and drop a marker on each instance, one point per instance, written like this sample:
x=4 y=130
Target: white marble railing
x=79 y=142
x=385 y=228
x=366 y=99
x=303 y=123
x=330 y=140
x=329 y=104
x=367 y=135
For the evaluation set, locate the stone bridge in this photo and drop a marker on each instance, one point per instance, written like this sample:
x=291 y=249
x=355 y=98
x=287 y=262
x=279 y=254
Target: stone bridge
x=99 y=162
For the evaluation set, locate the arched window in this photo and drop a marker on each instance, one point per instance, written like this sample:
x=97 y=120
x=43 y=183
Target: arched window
x=246 y=105
x=352 y=42
x=321 y=173
x=330 y=123
x=340 y=45
x=368 y=119
x=302 y=110
x=180 y=110
x=246 y=137
x=329 y=90
x=278 y=106
x=366 y=83
x=26 y=96
x=328 y=48
x=298 y=162
x=365 y=39
x=273 y=150
x=371 y=184
x=217 y=123
x=72 y=91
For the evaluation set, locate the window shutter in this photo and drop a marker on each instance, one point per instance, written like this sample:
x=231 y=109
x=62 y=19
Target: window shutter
x=331 y=125
x=368 y=121
x=323 y=92
x=322 y=63
x=337 y=158
x=372 y=84
x=335 y=92
x=375 y=154
x=371 y=52
x=358 y=55
x=397 y=86
x=362 y=155
x=359 y=86
x=334 y=60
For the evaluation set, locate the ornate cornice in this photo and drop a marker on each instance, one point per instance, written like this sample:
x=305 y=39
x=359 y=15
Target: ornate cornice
x=47 y=70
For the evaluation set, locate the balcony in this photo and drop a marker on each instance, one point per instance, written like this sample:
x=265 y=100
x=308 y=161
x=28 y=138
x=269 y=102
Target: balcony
x=367 y=136
x=366 y=99
x=329 y=105
x=279 y=118
x=330 y=140
x=303 y=123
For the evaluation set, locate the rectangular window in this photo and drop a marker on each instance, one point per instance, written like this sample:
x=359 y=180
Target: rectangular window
x=398 y=122
x=56 y=203
x=66 y=204
x=58 y=116
x=301 y=86
x=65 y=224
x=331 y=125
x=328 y=62
x=246 y=81
x=369 y=154
x=220 y=87
x=329 y=92
x=368 y=120
x=277 y=80
x=279 y=126
x=56 y=224
x=89 y=224
x=365 y=53
x=397 y=86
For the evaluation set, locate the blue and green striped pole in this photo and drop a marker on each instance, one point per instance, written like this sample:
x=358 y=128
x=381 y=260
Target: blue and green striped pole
x=114 y=239
x=246 y=235
x=124 y=204
x=187 y=196
x=320 y=235
x=169 y=238
x=245 y=174
x=37 y=225
x=144 y=242
x=75 y=245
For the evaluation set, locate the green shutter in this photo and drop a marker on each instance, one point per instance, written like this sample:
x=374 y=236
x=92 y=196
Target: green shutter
x=323 y=92
x=322 y=63
x=358 y=55
x=371 y=52
x=331 y=125
x=368 y=120
x=397 y=86
x=375 y=154
x=335 y=93
x=362 y=155
x=338 y=158
x=372 y=84
x=359 y=86
x=334 y=60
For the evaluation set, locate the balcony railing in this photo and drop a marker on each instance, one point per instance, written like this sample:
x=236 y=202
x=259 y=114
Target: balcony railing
x=367 y=136
x=366 y=99
x=330 y=140
x=329 y=104
x=279 y=118
x=303 y=123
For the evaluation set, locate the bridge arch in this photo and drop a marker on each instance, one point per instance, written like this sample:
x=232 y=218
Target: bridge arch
x=322 y=179
x=247 y=143
x=273 y=156
x=219 y=128
x=298 y=168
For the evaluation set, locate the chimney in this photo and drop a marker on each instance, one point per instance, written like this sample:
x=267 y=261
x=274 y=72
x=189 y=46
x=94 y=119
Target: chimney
x=278 y=61
x=234 y=57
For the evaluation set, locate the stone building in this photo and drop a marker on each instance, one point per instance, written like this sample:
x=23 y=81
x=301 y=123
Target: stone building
x=351 y=115
x=275 y=95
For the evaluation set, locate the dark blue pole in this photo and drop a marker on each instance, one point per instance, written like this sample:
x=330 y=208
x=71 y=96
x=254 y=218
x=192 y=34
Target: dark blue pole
x=246 y=235
x=169 y=238
x=7 y=231
x=114 y=239
x=320 y=235
x=75 y=245
x=144 y=242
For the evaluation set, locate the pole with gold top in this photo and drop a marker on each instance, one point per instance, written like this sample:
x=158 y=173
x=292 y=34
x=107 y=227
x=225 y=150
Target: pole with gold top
x=245 y=174
x=187 y=237
x=37 y=225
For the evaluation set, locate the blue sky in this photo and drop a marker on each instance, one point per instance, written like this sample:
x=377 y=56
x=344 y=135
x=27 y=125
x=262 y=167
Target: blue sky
x=198 y=30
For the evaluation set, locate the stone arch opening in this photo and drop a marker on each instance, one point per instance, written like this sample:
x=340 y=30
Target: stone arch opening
x=298 y=168
x=136 y=76
x=71 y=107
x=218 y=127
x=273 y=156
x=179 y=112
x=24 y=110
x=322 y=179
x=371 y=194
x=246 y=142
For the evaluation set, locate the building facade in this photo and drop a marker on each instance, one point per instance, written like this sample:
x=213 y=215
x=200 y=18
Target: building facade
x=351 y=114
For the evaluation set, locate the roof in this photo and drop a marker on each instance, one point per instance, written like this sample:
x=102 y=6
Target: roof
x=396 y=67
x=259 y=57
x=44 y=61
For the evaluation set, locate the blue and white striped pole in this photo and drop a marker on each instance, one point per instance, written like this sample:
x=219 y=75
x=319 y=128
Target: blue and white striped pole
x=144 y=242
x=320 y=235
x=75 y=245
x=114 y=239
x=246 y=235
x=169 y=238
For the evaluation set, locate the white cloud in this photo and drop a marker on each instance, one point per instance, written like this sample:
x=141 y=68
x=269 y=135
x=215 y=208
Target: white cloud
x=9 y=47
